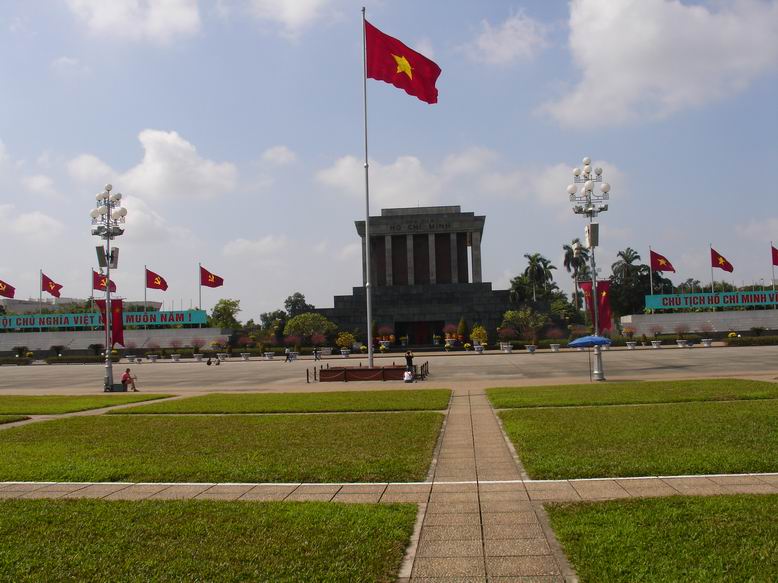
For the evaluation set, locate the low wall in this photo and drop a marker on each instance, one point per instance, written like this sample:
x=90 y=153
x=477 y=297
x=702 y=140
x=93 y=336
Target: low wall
x=702 y=322
x=361 y=373
x=82 y=339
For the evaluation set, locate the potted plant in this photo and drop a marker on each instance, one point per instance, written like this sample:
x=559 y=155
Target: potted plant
x=385 y=335
x=436 y=339
x=468 y=347
x=529 y=322
x=506 y=334
x=345 y=341
x=707 y=328
x=479 y=337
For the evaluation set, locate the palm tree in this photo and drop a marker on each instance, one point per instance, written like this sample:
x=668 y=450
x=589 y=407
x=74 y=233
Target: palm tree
x=573 y=264
x=538 y=272
x=625 y=269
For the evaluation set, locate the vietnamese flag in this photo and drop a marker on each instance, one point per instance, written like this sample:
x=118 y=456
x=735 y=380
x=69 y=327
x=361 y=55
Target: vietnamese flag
x=117 y=320
x=49 y=285
x=660 y=262
x=775 y=255
x=99 y=281
x=7 y=290
x=718 y=260
x=389 y=60
x=209 y=279
x=155 y=281
x=604 y=312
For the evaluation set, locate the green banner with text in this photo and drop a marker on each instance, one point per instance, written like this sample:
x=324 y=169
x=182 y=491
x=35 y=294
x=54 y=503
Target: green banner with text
x=94 y=320
x=711 y=300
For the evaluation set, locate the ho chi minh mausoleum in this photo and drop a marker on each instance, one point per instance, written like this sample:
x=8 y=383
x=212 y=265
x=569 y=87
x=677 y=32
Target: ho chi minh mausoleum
x=425 y=273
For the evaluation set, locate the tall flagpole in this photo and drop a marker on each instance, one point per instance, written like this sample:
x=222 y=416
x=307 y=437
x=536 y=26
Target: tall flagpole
x=40 y=291
x=200 y=284
x=368 y=291
x=712 y=290
x=772 y=263
x=650 y=271
x=145 y=286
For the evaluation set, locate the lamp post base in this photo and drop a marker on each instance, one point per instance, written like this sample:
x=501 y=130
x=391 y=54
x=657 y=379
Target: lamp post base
x=598 y=374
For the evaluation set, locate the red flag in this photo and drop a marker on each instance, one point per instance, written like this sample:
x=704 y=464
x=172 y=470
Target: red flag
x=660 y=262
x=718 y=260
x=6 y=289
x=604 y=313
x=209 y=279
x=391 y=61
x=99 y=281
x=49 y=285
x=117 y=320
x=155 y=281
x=775 y=255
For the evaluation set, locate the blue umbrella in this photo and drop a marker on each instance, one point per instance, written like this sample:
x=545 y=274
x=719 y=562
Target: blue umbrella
x=588 y=341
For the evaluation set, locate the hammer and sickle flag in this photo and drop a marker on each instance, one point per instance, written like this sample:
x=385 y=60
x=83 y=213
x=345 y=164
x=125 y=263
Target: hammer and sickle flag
x=50 y=286
x=391 y=61
x=99 y=281
x=155 y=281
x=209 y=279
x=7 y=290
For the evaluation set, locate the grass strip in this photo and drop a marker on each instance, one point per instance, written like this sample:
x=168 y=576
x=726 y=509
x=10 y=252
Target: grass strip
x=666 y=540
x=432 y=399
x=632 y=392
x=94 y=540
x=665 y=439
x=11 y=418
x=59 y=404
x=369 y=447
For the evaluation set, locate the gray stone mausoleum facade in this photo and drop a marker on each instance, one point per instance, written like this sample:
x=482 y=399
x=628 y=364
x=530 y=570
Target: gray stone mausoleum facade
x=425 y=273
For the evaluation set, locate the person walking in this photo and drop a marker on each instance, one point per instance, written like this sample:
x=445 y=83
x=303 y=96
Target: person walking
x=316 y=353
x=288 y=354
x=409 y=360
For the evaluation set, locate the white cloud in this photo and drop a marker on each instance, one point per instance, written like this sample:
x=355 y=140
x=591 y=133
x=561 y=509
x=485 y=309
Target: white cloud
x=349 y=251
x=161 y=21
x=650 y=58
x=40 y=184
x=424 y=46
x=279 y=156
x=294 y=15
x=90 y=169
x=405 y=182
x=172 y=168
x=519 y=38
x=29 y=225
x=148 y=227
x=69 y=67
x=267 y=249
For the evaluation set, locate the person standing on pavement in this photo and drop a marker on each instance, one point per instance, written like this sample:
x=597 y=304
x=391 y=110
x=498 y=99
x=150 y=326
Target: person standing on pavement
x=409 y=360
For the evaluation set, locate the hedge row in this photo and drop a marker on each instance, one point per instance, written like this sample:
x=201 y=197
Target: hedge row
x=752 y=341
x=22 y=361
x=79 y=359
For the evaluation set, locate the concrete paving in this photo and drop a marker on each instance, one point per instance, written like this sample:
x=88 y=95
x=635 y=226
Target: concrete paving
x=456 y=370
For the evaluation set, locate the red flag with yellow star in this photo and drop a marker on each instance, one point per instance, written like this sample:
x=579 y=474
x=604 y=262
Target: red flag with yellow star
x=50 y=286
x=660 y=262
x=391 y=61
x=718 y=260
x=7 y=290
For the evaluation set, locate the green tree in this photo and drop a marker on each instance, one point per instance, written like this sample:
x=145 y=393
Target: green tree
x=527 y=320
x=308 y=324
x=223 y=314
x=462 y=328
x=538 y=272
x=296 y=305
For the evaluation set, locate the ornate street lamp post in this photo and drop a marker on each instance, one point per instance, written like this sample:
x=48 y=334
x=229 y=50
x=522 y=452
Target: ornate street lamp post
x=590 y=202
x=107 y=217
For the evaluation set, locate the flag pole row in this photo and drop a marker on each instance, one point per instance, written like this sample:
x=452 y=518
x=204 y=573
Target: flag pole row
x=100 y=281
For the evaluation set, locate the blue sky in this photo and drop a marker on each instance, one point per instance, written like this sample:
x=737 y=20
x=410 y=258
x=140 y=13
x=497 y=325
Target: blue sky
x=234 y=129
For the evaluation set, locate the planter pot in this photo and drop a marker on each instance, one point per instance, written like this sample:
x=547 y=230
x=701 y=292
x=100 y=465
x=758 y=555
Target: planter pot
x=198 y=357
x=345 y=352
x=222 y=356
x=268 y=355
x=479 y=349
x=129 y=357
x=153 y=357
x=707 y=342
x=175 y=357
x=683 y=343
x=656 y=344
x=531 y=348
x=506 y=347
x=554 y=347
x=326 y=351
x=450 y=342
x=631 y=345
x=245 y=355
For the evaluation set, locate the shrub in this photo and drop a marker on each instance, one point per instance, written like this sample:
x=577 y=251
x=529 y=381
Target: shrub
x=29 y=355
x=20 y=350
x=383 y=348
x=655 y=330
x=132 y=345
x=506 y=334
x=385 y=331
x=707 y=327
x=363 y=349
x=629 y=332
x=153 y=346
x=345 y=340
x=758 y=330
x=462 y=329
x=318 y=339
x=197 y=344
x=752 y=341
x=291 y=340
x=57 y=349
x=96 y=348
x=681 y=329
x=555 y=333
x=79 y=359
x=450 y=330
x=468 y=346
x=175 y=343
x=245 y=342
x=479 y=335
x=20 y=361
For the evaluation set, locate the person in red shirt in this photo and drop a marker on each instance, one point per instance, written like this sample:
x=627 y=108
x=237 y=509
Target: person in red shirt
x=128 y=380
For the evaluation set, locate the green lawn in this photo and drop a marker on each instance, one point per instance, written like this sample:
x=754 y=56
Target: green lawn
x=11 y=418
x=432 y=399
x=632 y=392
x=666 y=439
x=100 y=541
x=58 y=404
x=370 y=447
x=666 y=540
